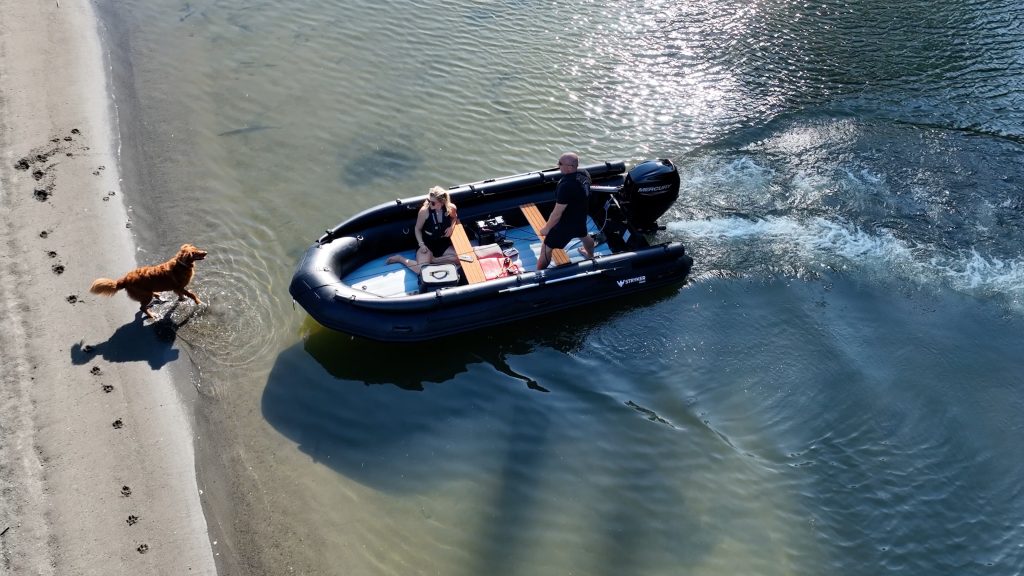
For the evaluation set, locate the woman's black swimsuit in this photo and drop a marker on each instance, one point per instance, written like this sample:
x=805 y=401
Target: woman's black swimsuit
x=433 y=232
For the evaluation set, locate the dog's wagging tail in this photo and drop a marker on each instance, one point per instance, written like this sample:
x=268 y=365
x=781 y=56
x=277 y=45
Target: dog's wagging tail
x=105 y=286
x=144 y=282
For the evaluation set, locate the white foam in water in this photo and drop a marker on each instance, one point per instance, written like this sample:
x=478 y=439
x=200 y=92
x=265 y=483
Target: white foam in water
x=808 y=189
x=977 y=273
x=819 y=241
x=738 y=174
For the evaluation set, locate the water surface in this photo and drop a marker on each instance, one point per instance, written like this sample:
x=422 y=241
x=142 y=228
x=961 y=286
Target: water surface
x=836 y=390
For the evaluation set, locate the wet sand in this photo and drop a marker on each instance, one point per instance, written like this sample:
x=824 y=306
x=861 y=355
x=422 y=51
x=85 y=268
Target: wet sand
x=97 y=468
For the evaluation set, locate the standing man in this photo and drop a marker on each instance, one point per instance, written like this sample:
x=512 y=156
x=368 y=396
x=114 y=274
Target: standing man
x=569 y=218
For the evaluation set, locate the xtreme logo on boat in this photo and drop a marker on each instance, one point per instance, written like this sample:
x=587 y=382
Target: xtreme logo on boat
x=634 y=280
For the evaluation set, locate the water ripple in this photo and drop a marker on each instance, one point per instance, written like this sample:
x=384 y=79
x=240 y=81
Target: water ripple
x=237 y=327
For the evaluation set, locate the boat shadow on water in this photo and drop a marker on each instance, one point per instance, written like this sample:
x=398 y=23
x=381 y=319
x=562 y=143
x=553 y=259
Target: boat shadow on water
x=352 y=408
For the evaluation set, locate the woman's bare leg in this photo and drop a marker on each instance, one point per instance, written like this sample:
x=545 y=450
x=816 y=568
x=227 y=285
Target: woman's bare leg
x=423 y=257
x=413 y=265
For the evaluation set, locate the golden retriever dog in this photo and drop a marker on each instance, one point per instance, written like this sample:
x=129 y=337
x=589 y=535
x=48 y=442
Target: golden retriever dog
x=144 y=282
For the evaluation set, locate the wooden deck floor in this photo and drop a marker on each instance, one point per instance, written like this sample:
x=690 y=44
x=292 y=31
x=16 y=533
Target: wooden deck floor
x=537 y=221
x=467 y=258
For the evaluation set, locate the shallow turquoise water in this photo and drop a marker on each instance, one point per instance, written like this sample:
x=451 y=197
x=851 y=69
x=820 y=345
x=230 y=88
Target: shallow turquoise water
x=837 y=389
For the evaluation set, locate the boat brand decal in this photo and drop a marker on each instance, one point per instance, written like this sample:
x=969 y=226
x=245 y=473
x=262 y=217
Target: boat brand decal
x=647 y=190
x=634 y=280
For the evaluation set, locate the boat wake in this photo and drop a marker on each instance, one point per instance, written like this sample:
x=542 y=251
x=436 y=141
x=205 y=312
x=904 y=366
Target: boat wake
x=806 y=248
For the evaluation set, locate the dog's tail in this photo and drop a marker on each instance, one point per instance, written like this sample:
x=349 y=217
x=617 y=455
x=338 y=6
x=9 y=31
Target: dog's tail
x=104 y=286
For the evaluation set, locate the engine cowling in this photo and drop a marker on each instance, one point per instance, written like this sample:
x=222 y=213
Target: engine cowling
x=649 y=191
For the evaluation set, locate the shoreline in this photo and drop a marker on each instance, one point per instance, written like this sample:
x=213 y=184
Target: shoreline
x=97 y=462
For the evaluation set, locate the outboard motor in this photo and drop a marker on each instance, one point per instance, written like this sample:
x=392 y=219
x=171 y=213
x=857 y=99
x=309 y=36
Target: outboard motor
x=649 y=191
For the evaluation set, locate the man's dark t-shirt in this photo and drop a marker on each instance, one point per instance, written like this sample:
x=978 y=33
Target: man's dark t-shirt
x=574 y=191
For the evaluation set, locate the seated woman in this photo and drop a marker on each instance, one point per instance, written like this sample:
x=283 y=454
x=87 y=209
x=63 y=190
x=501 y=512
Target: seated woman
x=434 y=224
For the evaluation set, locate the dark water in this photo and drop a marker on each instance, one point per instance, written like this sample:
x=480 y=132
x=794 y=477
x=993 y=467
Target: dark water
x=838 y=388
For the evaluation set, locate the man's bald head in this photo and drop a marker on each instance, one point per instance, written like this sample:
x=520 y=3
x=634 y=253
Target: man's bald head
x=568 y=162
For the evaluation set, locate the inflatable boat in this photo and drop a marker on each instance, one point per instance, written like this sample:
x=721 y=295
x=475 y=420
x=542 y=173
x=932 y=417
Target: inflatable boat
x=345 y=283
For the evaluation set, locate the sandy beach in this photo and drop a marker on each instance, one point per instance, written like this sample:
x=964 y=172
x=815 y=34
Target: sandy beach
x=97 y=468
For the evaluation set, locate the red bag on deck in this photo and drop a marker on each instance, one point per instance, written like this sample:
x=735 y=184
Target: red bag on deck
x=498 y=266
x=494 y=263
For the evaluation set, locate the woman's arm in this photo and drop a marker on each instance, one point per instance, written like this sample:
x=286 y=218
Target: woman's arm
x=421 y=219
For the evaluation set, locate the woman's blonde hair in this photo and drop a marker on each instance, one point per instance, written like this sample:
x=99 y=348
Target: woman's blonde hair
x=440 y=194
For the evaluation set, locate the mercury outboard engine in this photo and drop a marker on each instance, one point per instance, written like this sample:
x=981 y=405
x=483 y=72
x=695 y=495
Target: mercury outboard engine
x=649 y=191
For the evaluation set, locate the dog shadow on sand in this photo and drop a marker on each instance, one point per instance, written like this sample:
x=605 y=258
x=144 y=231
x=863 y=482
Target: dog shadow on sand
x=135 y=341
